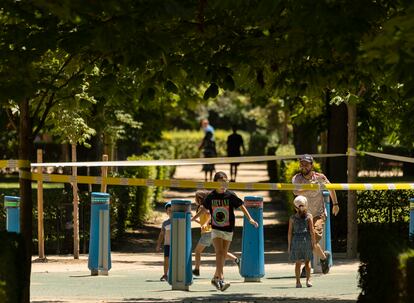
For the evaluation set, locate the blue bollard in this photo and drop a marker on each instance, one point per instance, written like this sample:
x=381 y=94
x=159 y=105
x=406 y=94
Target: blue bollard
x=327 y=227
x=180 y=275
x=99 y=260
x=252 y=262
x=12 y=206
x=411 y=228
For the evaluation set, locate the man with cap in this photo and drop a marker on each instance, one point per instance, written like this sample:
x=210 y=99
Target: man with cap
x=316 y=205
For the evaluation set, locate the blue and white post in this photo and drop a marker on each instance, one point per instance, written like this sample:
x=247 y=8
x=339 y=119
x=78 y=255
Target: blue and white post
x=411 y=228
x=325 y=242
x=12 y=206
x=252 y=262
x=180 y=276
x=327 y=227
x=99 y=261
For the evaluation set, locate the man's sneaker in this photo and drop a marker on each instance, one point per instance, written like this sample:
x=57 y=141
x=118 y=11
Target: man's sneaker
x=216 y=283
x=325 y=263
x=237 y=261
x=303 y=272
x=196 y=272
x=224 y=285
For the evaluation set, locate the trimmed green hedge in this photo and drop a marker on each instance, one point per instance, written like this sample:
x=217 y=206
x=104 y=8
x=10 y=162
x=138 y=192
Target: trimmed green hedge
x=184 y=144
x=387 y=265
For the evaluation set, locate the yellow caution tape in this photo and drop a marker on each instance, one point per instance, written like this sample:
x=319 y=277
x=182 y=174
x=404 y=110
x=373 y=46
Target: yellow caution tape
x=14 y=163
x=212 y=185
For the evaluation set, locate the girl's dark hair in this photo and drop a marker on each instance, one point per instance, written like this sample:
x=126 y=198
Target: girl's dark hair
x=200 y=195
x=219 y=176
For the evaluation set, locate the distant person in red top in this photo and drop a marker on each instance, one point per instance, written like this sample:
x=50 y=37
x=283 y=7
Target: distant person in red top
x=234 y=144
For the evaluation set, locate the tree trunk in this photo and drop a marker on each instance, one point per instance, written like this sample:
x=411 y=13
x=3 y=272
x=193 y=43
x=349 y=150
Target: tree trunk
x=352 y=236
x=26 y=146
x=305 y=138
x=337 y=143
x=75 y=206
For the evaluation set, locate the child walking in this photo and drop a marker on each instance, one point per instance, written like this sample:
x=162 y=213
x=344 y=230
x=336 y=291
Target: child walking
x=221 y=204
x=164 y=236
x=205 y=239
x=301 y=239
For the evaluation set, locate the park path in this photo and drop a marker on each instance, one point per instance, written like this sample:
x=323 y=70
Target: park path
x=135 y=272
x=249 y=172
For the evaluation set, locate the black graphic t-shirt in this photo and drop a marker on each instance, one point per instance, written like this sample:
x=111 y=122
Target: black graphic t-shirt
x=221 y=207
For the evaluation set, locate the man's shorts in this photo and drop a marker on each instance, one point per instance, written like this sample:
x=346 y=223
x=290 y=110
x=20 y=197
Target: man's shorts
x=318 y=224
x=225 y=235
x=166 y=251
x=205 y=239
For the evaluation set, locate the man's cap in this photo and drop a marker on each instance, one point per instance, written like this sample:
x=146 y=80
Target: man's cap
x=307 y=158
x=168 y=204
x=300 y=200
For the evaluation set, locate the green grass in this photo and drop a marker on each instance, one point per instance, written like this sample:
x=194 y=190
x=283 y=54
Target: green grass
x=34 y=185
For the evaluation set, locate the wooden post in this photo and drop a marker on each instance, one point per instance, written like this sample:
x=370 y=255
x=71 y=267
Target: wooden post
x=104 y=174
x=40 y=228
x=352 y=235
x=75 y=206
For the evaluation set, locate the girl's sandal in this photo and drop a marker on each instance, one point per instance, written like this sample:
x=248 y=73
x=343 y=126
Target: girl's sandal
x=308 y=284
x=298 y=285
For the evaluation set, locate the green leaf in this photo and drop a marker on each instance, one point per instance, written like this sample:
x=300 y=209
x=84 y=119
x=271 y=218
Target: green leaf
x=211 y=92
x=228 y=83
x=171 y=87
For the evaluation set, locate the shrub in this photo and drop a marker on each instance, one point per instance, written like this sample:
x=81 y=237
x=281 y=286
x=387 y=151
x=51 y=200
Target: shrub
x=11 y=267
x=257 y=144
x=185 y=143
x=142 y=197
x=383 y=206
x=120 y=205
x=407 y=275
x=380 y=279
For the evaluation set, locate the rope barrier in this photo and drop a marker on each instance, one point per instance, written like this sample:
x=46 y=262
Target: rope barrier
x=211 y=185
x=58 y=178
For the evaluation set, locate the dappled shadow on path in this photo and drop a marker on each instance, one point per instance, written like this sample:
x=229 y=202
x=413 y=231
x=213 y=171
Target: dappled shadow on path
x=240 y=298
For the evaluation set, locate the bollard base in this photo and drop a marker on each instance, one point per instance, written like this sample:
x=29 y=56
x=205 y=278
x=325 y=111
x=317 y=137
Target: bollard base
x=252 y=280
x=94 y=272
x=103 y=272
x=180 y=287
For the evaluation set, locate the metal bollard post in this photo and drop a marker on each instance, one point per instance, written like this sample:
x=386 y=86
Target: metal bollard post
x=12 y=206
x=411 y=228
x=327 y=227
x=180 y=275
x=99 y=260
x=325 y=242
x=252 y=262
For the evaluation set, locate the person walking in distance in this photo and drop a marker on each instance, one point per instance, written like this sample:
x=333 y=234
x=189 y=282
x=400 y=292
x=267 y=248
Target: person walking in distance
x=205 y=239
x=165 y=236
x=301 y=239
x=234 y=144
x=209 y=151
x=316 y=205
x=221 y=204
x=206 y=127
